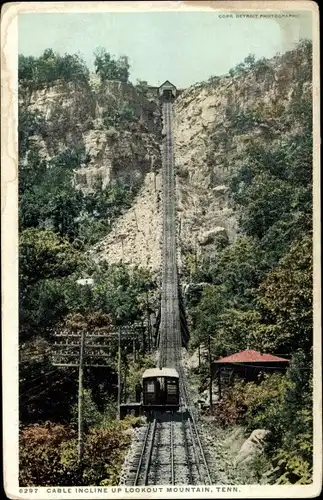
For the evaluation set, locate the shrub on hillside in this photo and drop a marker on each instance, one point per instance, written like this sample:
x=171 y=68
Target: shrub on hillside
x=40 y=455
x=230 y=409
x=48 y=455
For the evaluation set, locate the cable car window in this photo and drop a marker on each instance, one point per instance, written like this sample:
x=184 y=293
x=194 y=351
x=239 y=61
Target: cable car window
x=171 y=387
x=150 y=387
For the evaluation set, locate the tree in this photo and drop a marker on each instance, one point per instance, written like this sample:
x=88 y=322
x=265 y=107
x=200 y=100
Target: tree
x=142 y=85
x=26 y=69
x=123 y=67
x=46 y=67
x=240 y=267
x=45 y=261
x=285 y=301
x=71 y=68
x=109 y=68
x=250 y=61
x=51 y=67
x=48 y=198
x=30 y=123
x=44 y=255
x=207 y=314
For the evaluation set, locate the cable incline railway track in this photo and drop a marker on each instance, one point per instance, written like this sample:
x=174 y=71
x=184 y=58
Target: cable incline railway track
x=170 y=450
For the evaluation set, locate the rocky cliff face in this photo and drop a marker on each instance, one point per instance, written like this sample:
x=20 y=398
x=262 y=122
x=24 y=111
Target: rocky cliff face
x=136 y=237
x=114 y=124
x=119 y=129
x=214 y=123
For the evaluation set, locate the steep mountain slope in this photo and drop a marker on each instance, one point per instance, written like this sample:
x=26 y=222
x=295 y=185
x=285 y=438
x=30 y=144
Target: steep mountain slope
x=215 y=122
x=116 y=129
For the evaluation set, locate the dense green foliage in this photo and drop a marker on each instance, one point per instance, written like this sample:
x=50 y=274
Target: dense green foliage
x=49 y=68
x=109 y=68
x=58 y=225
x=257 y=291
x=48 y=455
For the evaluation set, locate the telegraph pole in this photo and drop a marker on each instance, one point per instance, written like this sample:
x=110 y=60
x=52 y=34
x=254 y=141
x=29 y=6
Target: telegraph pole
x=119 y=372
x=80 y=399
x=125 y=332
x=66 y=350
x=64 y=354
x=210 y=370
x=148 y=323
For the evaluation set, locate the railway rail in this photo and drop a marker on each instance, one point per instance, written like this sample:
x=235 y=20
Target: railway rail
x=169 y=449
x=169 y=453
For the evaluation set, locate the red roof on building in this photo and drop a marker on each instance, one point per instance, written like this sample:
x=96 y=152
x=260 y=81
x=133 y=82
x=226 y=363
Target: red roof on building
x=250 y=356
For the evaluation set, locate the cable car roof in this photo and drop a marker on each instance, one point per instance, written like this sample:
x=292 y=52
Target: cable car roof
x=160 y=372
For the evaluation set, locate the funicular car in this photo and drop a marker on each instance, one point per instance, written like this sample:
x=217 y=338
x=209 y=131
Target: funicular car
x=160 y=389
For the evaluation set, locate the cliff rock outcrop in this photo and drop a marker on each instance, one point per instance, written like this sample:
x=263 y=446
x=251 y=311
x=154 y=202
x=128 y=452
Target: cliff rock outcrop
x=118 y=129
x=214 y=123
x=113 y=124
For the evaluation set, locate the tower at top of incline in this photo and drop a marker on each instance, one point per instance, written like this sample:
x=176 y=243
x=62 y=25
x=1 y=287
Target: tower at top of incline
x=167 y=91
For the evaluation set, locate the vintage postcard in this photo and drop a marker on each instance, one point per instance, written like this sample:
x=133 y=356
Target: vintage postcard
x=161 y=250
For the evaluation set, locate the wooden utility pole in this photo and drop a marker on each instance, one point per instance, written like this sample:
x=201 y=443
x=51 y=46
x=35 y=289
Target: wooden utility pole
x=69 y=346
x=80 y=399
x=127 y=332
x=74 y=351
x=119 y=371
x=149 y=327
x=210 y=372
x=219 y=384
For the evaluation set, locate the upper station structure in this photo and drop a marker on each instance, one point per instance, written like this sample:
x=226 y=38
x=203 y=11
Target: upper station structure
x=167 y=91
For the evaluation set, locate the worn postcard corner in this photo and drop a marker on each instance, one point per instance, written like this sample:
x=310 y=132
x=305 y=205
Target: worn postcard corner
x=161 y=250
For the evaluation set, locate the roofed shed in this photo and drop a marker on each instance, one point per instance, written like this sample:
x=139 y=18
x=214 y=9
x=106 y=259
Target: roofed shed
x=247 y=365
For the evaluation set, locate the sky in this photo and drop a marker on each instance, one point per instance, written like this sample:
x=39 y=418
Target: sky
x=183 y=47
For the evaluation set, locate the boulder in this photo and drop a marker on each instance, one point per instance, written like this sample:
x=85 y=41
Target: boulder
x=253 y=446
x=210 y=236
x=220 y=190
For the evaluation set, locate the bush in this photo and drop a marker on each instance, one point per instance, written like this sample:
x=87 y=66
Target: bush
x=103 y=455
x=51 y=67
x=40 y=455
x=109 y=68
x=231 y=407
x=48 y=455
x=122 y=116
